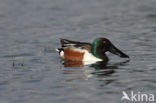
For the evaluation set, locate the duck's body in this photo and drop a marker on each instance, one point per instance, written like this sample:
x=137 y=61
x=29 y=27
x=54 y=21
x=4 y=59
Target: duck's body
x=78 y=54
x=82 y=51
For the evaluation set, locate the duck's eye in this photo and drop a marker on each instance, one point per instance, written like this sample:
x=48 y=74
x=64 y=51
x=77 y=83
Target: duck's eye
x=104 y=42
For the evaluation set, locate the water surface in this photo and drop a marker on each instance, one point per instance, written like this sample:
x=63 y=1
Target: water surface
x=30 y=30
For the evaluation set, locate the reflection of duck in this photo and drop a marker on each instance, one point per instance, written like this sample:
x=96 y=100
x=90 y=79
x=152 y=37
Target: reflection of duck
x=69 y=63
x=103 y=65
x=99 y=69
x=102 y=69
x=82 y=51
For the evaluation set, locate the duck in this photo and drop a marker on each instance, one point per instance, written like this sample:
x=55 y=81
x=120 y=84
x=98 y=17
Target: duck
x=84 y=51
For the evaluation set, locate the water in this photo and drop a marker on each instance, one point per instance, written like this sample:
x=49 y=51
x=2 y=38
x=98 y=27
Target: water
x=30 y=31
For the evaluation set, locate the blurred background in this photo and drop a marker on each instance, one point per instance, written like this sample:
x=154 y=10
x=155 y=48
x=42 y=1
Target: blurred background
x=31 y=71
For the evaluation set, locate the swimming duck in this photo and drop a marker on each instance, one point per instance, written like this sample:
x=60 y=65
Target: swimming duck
x=83 y=51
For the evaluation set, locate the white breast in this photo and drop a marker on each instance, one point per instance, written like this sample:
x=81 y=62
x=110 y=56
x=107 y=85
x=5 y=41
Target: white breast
x=89 y=57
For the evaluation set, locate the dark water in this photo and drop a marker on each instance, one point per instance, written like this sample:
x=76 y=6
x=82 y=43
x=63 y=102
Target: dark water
x=30 y=30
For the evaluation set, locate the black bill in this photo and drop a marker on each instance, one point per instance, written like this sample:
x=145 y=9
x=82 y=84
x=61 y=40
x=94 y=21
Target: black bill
x=116 y=51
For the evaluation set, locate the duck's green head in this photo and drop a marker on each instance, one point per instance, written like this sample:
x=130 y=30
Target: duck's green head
x=102 y=45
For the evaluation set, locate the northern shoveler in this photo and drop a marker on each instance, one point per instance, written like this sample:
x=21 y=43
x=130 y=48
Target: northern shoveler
x=82 y=51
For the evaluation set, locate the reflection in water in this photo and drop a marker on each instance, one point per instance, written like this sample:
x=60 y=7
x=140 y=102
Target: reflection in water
x=102 y=71
x=102 y=65
x=99 y=69
x=69 y=63
x=96 y=65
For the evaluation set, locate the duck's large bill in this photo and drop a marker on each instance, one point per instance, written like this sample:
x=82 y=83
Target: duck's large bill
x=116 y=51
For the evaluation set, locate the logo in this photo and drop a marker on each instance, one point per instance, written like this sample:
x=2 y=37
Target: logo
x=137 y=97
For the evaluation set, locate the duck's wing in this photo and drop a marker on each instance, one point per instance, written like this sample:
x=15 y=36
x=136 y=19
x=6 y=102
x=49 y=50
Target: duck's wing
x=76 y=44
x=65 y=42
